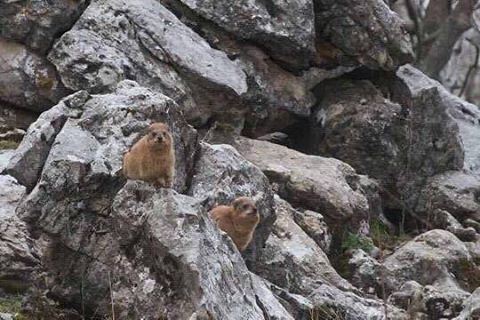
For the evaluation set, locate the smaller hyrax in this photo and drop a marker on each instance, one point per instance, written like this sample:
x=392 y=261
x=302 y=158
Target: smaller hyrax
x=238 y=220
x=152 y=158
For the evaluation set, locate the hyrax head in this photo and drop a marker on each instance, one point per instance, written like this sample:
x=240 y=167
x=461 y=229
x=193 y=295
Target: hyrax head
x=159 y=135
x=245 y=209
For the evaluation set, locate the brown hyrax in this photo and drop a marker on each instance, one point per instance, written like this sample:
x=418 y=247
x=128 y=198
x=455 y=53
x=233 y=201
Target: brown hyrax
x=152 y=158
x=238 y=220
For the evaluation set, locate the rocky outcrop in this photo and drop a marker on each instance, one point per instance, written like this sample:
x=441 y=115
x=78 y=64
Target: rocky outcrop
x=222 y=174
x=143 y=41
x=325 y=185
x=19 y=254
x=28 y=80
x=36 y=24
x=292 y=260
x=365 y=31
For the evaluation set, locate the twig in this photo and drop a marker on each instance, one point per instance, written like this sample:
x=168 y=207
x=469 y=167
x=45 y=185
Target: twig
x=471 y=68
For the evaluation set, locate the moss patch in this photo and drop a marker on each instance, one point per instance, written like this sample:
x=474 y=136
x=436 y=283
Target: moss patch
x=8 y=144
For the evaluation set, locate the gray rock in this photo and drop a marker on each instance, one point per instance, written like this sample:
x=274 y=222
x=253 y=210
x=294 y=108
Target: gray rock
x=18 y=252
x=6 y=316
x=165 y=258
x=28 y=80
x=441 y=219
x=285 y=29
x=27 y=162
x=355 y=123
x=5 y=156
x=331 y=302
x=366 y=272
x=453 y=191
x=143 y=41
x=292 y=260
x=11 y=117
x=222 y=174
x=37 y=23
x=432 y=258
x=324 y=185
x=471 y=307
x=86 y=157
x=313 y=224
x=367 y=31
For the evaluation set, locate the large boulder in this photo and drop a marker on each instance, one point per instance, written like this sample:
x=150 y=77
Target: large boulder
x=19 y=254
x=355 y=123
x=157 y=255
x=28 y=80
x=365 y=31
x=221 y=174
x=292 y=260
x=471 y=307
x=37 y=23
x=285 y=29
x=325 y=185
x=143 y=41
x=433 y=258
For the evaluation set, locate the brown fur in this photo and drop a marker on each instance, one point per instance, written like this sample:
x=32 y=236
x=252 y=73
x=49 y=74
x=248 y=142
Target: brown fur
x=152 y=158
x=238 y=220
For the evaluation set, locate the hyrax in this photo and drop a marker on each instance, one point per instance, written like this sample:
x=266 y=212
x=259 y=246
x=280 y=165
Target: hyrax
x=238 y=220
x=152 y=158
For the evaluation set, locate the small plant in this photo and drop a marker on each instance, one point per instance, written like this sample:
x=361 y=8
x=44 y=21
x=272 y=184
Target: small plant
x=12 y=305
x=8 y=144
x=354 y=241
x=326 y=312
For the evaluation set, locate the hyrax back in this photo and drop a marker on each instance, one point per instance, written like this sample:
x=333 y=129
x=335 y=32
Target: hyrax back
x=152 y=158
x=238 y=220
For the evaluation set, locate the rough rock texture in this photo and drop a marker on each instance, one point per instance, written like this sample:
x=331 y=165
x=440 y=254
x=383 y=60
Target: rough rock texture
x=471 y=307
x=313 y=224
x=285 y=29
x=37 y=23
x=156 y=246
x=27 y=80
x=433 y=258
x=367 y=31
x=444 y=132
x=374 y=141
x=27 y=162
x=143 y=41
x=18 y=252
x=222 y=174
x=292 y=260
x=453 y=191
x=326 y=185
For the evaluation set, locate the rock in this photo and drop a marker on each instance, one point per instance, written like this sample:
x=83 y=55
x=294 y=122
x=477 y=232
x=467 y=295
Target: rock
x=441 y=219
x=314 y=225
x=143 y=41
x=221 y=174
x=28 y=80
x=27 y=162
x=429 y=302
x=285 y=29
x=373 y=143
x=458 y=76
x=324 y=185
x=86 y=157
x=36 y=23
x=165 y=258
x=5 y=156
x=6 y=316
x=432 y=258
x=331 y=302
x=18 y=252
x=11 y=117
x=365 y=272
x=292 y=260
x=367 y=31
x=453 y=191
x=471 y=307
x=453 y=123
